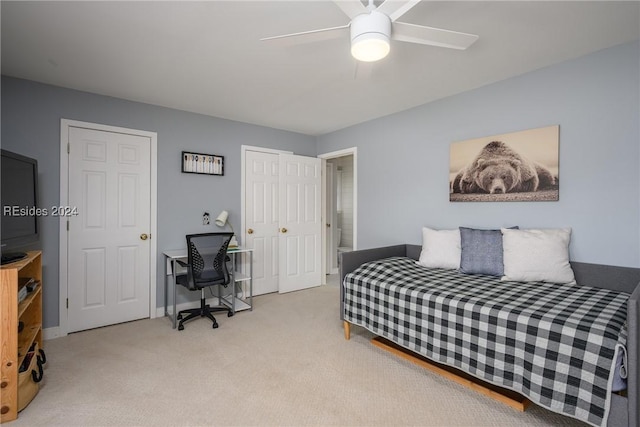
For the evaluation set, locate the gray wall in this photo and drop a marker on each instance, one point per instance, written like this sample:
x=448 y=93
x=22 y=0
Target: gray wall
x=31 y=114
x=594 y=99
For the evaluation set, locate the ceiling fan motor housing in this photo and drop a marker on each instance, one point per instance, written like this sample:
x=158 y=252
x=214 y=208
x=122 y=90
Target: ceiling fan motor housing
x=370 y=35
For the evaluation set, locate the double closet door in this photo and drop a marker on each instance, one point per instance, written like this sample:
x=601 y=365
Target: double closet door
x=283 y=222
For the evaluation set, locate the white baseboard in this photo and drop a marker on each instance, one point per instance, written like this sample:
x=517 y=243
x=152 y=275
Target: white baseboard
x=51 y=333
x=54 y=332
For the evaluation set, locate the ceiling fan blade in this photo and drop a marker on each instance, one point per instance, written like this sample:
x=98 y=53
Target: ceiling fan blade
x=351 y=8
x=411 y=33
x=310 y=36
x=394 y=9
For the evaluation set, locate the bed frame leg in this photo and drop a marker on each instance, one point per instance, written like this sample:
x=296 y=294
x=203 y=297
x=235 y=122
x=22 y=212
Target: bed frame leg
x=347 y=330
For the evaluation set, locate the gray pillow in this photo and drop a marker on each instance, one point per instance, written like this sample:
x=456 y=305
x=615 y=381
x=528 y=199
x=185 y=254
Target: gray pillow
x=481 y=251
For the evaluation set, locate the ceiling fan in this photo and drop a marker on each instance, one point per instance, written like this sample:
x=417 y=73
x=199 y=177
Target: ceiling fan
x=373 y=27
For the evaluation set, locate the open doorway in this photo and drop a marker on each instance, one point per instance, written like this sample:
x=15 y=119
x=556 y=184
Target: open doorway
x=340 y=205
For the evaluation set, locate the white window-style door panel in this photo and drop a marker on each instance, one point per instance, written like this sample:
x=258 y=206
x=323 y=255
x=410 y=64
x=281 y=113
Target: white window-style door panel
x=300 y=242
x=261 y=218
x=108 y=246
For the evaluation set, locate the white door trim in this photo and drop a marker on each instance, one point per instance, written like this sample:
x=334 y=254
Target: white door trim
x=327 y=196
x=65 y=124
x=341 y=153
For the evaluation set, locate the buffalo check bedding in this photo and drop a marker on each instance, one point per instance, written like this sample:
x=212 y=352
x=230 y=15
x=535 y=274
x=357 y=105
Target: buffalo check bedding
x=555 y=344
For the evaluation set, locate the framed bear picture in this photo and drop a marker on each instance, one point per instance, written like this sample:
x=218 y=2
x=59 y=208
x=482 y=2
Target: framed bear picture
x=511 y=167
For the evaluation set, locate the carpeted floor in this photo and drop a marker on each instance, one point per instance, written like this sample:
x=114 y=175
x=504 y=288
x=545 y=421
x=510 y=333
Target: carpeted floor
x=286 y=363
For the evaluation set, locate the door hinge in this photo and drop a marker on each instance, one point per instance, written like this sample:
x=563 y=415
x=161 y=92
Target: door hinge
x=67 y=225
x=68 y=148
x=67 y=303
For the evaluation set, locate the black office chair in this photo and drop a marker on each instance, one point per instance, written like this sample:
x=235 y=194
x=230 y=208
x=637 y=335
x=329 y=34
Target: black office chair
x=206 y=267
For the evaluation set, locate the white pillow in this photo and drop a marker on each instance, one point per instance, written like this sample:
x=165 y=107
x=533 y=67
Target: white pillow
x=440 y=248
x=537 y=255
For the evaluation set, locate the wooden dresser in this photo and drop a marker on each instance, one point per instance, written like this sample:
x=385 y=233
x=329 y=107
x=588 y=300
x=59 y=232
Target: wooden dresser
x=14 y=345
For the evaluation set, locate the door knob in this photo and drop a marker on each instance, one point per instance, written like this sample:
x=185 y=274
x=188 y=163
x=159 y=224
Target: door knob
x=143 y=236
x=328 y=225
x=250 y=231
x=283 y=230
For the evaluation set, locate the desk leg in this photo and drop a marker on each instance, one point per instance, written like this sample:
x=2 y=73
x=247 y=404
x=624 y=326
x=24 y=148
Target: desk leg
x=251 y=280
x=233 y=283
x=166 y=290
x=166 y=287
x=173 y=274
x=243 y=284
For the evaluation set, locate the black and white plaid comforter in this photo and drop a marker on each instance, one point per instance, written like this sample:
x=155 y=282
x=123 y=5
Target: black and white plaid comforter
x=553 y=343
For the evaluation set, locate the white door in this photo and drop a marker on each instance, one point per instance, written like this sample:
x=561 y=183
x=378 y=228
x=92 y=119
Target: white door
x=108 y=246
x=261 y=218
x=300 y=222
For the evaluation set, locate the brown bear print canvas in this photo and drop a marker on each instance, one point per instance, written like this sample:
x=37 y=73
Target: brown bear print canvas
x=520 y=166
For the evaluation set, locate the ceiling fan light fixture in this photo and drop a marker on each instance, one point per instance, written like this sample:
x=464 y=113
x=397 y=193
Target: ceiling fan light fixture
x=370 y=35
x=370 y=47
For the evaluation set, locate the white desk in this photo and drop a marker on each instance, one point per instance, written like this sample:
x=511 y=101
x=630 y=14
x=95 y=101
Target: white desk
x=232 y=301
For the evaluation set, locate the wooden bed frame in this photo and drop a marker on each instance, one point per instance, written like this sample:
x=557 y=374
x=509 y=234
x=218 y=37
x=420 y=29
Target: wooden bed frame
x=625 y=409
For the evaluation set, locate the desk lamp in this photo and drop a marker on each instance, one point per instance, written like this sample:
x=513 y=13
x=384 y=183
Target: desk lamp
x=221 y=221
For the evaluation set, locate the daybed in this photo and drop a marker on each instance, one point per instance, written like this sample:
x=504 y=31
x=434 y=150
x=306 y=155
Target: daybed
x=615 y=409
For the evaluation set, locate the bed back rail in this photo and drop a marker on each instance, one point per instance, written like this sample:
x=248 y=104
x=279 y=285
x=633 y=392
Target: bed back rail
x=349 y=261
x=633 y=355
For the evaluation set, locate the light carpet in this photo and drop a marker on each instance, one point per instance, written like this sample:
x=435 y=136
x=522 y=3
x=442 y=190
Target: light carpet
x=286 y=363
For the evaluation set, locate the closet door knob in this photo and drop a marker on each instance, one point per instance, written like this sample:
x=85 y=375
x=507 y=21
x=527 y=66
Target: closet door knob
x=143 y=237
x=283 y=230
x=250 y=231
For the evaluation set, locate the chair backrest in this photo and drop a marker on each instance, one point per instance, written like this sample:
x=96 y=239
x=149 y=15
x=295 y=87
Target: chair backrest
x=207 y=253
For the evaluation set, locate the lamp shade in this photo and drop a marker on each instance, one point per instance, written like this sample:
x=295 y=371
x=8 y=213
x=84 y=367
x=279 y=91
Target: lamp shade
x=370 y=35
x=222 y=219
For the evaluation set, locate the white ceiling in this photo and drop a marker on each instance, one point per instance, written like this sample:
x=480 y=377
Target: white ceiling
x=206 y=57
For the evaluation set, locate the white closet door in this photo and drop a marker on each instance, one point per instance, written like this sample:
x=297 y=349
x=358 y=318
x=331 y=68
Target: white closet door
x=108 y=259
x=300 y=222
x=261 y=218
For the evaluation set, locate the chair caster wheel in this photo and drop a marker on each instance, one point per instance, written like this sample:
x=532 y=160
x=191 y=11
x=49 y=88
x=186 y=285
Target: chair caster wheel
x=181 y=327
x=229 y=314
x=215 y=326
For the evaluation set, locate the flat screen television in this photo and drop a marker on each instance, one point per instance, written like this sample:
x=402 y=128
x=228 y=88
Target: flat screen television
x=20 y=227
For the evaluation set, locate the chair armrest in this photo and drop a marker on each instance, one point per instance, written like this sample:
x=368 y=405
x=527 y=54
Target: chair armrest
x=190 y=279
